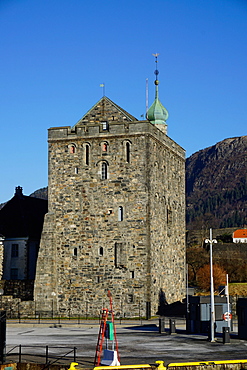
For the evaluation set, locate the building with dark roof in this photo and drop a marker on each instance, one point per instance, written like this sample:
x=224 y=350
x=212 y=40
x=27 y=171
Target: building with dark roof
x=21 y=222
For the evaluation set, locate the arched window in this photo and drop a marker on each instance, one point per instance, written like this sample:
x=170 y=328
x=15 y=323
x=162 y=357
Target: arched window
x=120 y=213
x=104 y=171
x=72 y=148
x=104 y=147
x=128 y=152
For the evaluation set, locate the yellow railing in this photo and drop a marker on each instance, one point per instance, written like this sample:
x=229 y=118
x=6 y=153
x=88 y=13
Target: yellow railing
x=160 y=365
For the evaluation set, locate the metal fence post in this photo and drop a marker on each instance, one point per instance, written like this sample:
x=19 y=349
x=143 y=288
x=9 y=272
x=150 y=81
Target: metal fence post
x=20 y=354
x=46 y=354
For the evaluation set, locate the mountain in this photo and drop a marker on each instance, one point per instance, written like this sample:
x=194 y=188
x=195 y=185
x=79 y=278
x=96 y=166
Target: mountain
x=216 y=185
x=40 y=193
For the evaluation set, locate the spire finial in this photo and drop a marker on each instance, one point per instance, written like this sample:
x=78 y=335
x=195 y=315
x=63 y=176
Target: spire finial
x=156 y=72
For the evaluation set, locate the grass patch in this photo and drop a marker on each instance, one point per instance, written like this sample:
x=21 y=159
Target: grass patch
x=238 y=289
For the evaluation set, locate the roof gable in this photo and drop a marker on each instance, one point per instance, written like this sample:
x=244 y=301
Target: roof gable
x=105 y=110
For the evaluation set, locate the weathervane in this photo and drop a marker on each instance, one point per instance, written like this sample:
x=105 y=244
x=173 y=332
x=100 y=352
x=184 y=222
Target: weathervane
x=103 y=85
x=156 y=72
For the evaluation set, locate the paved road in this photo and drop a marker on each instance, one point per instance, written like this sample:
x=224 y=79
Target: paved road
x=137 y=344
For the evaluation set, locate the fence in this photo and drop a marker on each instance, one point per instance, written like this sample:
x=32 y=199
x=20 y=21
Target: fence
x=47 y=354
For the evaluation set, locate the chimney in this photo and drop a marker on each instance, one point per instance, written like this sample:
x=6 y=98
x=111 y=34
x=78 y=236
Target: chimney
x=18 y=191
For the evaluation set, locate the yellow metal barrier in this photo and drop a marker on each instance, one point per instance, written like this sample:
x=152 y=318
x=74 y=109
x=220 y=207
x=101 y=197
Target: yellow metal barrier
x=142 y=366
x=206 y=363
x=160 y=365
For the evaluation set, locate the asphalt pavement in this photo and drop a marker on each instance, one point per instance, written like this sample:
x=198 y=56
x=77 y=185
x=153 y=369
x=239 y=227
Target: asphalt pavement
x=139 y=342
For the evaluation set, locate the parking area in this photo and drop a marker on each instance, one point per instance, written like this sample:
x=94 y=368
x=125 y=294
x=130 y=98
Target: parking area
x=138 y=343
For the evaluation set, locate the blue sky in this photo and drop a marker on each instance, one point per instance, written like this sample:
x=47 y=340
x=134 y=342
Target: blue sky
x=54 y=54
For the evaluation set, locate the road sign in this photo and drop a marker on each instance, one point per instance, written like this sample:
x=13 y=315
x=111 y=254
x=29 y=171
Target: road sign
x=227 y=316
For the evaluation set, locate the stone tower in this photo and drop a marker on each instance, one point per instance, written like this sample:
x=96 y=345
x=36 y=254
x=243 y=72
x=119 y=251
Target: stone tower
x=116 y=216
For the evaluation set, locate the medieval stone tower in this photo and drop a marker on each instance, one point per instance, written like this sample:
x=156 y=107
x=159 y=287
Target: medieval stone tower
x=116 y=216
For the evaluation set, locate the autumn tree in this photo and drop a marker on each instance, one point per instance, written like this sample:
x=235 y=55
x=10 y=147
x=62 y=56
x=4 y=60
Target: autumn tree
x=196 y=258
x=203 y=277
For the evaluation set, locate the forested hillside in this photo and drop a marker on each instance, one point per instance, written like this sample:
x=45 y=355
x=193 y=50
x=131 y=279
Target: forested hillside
x=216 y=185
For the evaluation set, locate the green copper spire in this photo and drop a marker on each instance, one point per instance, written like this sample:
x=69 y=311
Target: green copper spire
x=157 y=113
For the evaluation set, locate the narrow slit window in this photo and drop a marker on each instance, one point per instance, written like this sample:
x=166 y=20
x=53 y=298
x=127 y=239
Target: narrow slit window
x=76 y=170
x=120 y=213
x=101 y=251
x=128 y=152
x=104 y=171
x=104 y=147
x=87 y=154
x=75 y=252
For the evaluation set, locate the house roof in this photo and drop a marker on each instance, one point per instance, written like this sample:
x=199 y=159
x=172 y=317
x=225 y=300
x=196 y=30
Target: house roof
x=23 y=216
x=241 y=233
x=105 y=110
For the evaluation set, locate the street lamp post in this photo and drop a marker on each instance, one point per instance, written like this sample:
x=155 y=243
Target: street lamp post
x=212 y=316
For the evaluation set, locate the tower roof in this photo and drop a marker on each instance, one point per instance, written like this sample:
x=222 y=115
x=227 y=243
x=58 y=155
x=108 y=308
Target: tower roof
x=157 y=113
x=105 y=110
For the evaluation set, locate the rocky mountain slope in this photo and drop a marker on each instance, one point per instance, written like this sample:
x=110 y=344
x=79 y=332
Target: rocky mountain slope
x=216 y=185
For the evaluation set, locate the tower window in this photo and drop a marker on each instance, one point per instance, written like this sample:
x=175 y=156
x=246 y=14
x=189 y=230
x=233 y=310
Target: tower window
x=76 y=170
x=104 y=171
x=87 y=154
x=104 y=147
x=132 y=274
x=101 y=251
x=128 y=152
x=14 y=250
x=130 y=298
x=105 y=126
x=72 y=149
x=120 y=255
x=120 y=213
x=75 y=252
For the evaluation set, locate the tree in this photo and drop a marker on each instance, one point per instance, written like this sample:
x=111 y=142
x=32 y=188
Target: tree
x=203 y=277
x=196 y=258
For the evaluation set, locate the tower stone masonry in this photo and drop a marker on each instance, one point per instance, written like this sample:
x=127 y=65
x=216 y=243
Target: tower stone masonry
x=116 y=216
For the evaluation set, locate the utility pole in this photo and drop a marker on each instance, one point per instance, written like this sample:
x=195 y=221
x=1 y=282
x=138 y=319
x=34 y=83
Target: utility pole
x=211 y=241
